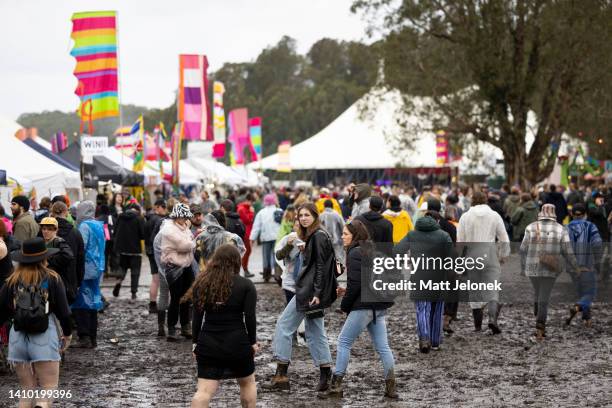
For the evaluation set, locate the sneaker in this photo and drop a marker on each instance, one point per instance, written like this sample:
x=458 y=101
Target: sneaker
x=116 y=290
x=248 y=274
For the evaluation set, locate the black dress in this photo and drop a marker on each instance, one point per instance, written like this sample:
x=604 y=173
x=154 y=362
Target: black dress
x=224 y=334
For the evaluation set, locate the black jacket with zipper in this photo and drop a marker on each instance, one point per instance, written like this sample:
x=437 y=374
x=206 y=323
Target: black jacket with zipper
x=64 y=263
x=317 y=277
x=380 y=229
x=73 y=237
x=129 y=231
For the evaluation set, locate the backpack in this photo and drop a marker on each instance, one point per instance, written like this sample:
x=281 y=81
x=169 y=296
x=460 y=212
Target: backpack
x=278 y=216
x=31 y=308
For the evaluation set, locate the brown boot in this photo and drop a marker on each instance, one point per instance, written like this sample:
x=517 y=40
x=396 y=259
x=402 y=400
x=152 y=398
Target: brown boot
x=540 y=331
x=446 y=326
x=280 y=380
x=335 y=389
x=391 y=386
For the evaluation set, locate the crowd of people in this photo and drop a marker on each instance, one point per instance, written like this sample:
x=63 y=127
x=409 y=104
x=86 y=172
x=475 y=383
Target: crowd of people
x=54 y=257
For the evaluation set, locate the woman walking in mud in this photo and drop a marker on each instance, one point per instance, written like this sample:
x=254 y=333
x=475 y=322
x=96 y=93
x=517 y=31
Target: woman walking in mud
x=315 y=290
x=361 y=315
x=224 y=346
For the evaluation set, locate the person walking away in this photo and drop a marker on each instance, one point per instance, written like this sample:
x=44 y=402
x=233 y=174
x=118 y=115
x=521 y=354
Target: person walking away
x=398 y=217
x=361 y=315
x=525 y=214
x=379 y=229
x=128 y=234
x=429 y=241
x=24 y=226
x=89 y=297
x=36 y=338
x=233 y=223
x=588 y=249
x=315 y=290
x=598 y=215
x=333 y=224
x=159 y=213
x=555 y=198
x=512 y=202
x=265 y=228
x=225 y=342
x=544 y=243
x=177 y=247
x=214 y=235
x=323 y=197
x=71 y=234
x=63 y=261
x=247 y=216
x=485 y=230
x=44 y=209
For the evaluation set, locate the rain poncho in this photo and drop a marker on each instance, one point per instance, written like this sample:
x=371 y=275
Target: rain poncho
x=212 y=237
x=89 y=295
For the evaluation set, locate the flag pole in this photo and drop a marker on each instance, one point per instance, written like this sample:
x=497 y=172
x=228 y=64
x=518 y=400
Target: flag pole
x=119 y=84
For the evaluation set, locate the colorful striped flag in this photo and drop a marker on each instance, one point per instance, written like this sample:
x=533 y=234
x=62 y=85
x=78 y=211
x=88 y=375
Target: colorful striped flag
x=218 y=120
x=95 y=50
x=193 y=107
x=177 y=136
x=59 y=142
x=255 y=133
x=284 y=164
x=141 y=146
x=238 y=134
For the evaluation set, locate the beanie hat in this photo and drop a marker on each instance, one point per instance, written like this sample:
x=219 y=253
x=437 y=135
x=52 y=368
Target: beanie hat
x=181 y=210
x=548 y=211
x=21 y=201
x=269 y=199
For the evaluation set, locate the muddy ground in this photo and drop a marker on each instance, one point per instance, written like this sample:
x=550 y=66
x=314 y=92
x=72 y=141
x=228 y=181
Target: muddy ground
x=572 y=368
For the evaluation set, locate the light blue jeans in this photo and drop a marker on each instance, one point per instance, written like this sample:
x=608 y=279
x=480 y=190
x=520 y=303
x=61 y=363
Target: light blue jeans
x=356 y=322
x=287 y=324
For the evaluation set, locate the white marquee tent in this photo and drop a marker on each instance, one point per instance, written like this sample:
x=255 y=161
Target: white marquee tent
x=22 y=162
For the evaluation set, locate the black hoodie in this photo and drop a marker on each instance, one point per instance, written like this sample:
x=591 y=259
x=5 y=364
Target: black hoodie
x=234 y=225
x=129 y=231
x=380 y=229
x=73 y=237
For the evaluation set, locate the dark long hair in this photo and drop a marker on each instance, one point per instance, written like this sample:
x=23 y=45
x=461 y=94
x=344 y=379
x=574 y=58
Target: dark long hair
x=361 y=238
x=213 y=285
x=305 y=233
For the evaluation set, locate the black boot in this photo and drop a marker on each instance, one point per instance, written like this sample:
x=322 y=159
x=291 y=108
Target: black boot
x=280 y=380
x=324 y=378
x=172 y=334
x=493 y=320
x=267 y=274
x=335 y=389
x=83 y=342
x=424 y=346
x=391 y=386
x=161 y=323
x=186 y=331
x=152 y=307
x=477 y=314
x=116 y=289
x=535 y=309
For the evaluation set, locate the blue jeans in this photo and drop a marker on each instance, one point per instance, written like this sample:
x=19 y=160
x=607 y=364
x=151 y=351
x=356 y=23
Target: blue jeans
x=267 y=248
x=586 y=286
x=287 y=324
x=429 y=321
x=355 y=323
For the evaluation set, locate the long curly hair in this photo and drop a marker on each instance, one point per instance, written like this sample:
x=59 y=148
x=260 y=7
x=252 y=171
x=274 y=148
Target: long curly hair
x=213 y=285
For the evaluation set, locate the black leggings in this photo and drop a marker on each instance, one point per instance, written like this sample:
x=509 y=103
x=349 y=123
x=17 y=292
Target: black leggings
x=177 y=290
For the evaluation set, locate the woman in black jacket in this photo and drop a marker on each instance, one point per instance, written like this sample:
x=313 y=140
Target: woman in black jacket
x=315 y=290
x=361 y=314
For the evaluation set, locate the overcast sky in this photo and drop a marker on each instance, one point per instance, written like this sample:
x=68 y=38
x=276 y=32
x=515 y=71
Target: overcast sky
x=36 y=68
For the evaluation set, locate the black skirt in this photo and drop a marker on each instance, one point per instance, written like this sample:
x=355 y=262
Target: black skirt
x=210 y=368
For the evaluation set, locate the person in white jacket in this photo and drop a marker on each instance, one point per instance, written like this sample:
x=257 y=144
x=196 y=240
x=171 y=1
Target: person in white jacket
x=480 y=224
x=265 y=228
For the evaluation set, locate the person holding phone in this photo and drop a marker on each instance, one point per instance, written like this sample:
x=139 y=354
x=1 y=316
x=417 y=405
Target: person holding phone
x=315 y=290
x=225 y=344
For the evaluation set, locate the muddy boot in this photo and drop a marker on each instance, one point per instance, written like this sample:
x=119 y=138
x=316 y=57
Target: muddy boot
x=186 y=331
x=83 y=342
x=573 y=312
x=280 y=380
x=424 y=346
x=116 y=289
x=335 y=389
x=477 y=314
x=540 y=331
x=324 y=378
x=391 y=386
x=161 y=323
x=267 y=274
x=172 y=337
x=493 y=320
x=446 y=326
x=152 y=307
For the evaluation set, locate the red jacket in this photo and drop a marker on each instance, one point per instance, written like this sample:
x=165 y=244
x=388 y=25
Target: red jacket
x=247 y=215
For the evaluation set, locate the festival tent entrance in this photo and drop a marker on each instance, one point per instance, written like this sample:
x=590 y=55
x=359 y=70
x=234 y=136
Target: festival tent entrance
x=48 y=178
x=102 y=169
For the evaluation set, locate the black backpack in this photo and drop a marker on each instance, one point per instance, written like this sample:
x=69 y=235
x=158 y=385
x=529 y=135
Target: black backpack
x=278 y=215
x=31 y=308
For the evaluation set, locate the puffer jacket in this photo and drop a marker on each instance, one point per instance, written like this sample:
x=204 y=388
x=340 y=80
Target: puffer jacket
x=264 y=226
x=401 y=221
x=177 y=244
x=317 y=275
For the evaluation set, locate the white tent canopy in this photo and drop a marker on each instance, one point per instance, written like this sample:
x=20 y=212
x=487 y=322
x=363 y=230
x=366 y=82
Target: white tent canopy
x=213 y=171
x=20 y=161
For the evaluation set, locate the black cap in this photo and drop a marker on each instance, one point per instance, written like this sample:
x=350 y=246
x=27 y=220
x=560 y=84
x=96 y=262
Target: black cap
x=578 y=210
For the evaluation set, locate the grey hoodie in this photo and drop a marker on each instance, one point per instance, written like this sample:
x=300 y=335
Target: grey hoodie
x=86 y=210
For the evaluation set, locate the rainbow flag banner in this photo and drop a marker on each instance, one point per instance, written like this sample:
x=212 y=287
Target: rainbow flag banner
x=284 y=165
x=238 y=134
x=218 y=120
x=255 y=132
x=193 y=107
x=95 y=50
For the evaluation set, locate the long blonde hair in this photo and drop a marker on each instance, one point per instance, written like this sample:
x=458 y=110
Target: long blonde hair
x=31 y=274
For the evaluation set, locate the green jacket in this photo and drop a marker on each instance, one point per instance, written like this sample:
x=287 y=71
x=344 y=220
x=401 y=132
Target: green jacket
x=524 y=215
